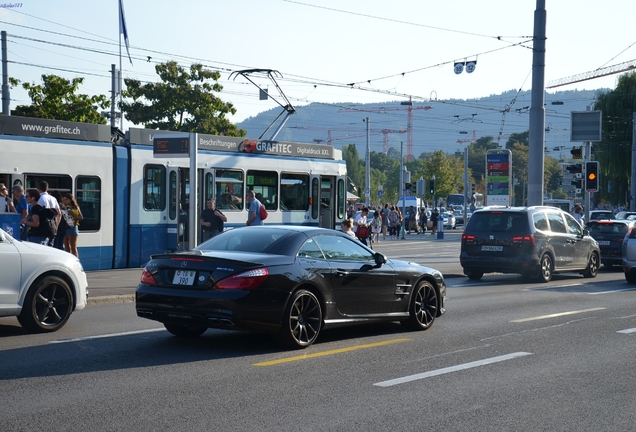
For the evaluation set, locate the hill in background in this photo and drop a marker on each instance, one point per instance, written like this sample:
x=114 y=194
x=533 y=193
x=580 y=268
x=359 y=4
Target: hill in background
x=437 y=128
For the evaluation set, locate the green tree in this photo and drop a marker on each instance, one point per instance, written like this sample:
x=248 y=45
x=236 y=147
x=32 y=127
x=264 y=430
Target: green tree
x=56 y=99
x=355 y=168
x=614 y=151
x=183 y=101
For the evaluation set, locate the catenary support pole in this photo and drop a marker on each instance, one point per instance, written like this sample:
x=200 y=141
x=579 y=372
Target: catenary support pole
x=537 y=109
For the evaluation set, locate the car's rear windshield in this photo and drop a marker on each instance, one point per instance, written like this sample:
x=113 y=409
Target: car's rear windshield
x=246 y=240
x=607 y=228
x=498 y=221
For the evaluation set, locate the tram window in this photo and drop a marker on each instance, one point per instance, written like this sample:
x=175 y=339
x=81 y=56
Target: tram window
x=229 y=189
x=294 y=191
x=89 y=198
x=154 y=194
x=342 y=197
x=208 y=186
x=265 y=187
x=315 y=198
x=62 y=183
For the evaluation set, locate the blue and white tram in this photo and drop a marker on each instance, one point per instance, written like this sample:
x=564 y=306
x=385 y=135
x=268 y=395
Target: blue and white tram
x=136 y=204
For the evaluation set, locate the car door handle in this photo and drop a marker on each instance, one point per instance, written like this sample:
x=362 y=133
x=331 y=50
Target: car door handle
x=342 y=273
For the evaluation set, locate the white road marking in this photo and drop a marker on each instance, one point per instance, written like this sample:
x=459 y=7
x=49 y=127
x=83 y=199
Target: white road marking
x=627 y=331
x=108 y=335
x=556 y=315
x=437 y=372
x=613 y=291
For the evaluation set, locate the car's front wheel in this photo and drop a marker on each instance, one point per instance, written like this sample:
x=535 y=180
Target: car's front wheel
x=592 y=266
x=184 y=330
x=424 y=307
x=47 y=306
x=302 y=320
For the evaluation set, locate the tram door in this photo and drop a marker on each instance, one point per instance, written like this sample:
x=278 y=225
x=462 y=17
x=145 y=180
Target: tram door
x=178 y=208
x=327 y=202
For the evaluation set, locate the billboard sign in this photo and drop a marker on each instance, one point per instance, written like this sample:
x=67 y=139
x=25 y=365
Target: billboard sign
x=498 y=177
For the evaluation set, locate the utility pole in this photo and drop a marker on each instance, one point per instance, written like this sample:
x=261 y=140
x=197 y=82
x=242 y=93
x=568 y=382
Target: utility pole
x=632 y=186
x=401 y=188
x=113 y=95
x=367 y=190
x=6 y=99
x=537 y=109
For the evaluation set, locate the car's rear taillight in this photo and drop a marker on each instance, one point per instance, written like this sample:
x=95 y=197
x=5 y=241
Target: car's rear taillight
x=147 y=278
x=527 y=238
x=468 y=238
x=244 y=281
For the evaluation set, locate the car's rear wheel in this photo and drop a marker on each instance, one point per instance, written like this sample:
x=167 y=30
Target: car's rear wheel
x=302 y=320
x=47 y=306
x=630 y=277
x=424 y=307
x=183 y=330
x=592 y=266
x=546 y=267
x=474 y=275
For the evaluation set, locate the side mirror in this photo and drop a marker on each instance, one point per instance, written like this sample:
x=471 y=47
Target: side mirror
x=380 y=259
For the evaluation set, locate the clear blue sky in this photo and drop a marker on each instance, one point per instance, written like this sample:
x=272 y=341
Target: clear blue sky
x=320 y=46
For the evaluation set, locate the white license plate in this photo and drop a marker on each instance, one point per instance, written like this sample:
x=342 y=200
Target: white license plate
x=603 y=243
x=183 y=277
x=492 y=248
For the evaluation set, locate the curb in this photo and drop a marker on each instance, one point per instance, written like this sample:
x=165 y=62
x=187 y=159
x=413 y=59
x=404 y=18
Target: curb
x=126 y=298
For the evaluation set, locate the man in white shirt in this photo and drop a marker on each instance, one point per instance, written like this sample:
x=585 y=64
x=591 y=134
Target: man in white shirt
x=48 y=201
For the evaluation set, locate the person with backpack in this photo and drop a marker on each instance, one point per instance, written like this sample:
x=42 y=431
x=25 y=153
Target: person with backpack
x=253 y=209
x=393 y=221
x=35 y=220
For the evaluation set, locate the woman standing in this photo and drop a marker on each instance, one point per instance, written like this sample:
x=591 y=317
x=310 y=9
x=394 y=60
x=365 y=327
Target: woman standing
x=73 y=216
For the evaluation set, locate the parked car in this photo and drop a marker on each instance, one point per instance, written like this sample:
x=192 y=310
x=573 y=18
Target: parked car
x=449 y=220
x=459 y=217
x=629 y=255
x=624 y=215
x=533 y=241
x=290 y=281
x=601 y=215
x=40 y=285
x=609 y=234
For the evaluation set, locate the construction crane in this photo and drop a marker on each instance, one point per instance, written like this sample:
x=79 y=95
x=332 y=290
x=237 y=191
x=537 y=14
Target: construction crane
x=384 y=132
x=330 y=139
x=409 y=122
x=600 y=72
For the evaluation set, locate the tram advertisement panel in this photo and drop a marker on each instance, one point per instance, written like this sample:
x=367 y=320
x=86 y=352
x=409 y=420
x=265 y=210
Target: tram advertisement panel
x=242 y=145
x=498 y=177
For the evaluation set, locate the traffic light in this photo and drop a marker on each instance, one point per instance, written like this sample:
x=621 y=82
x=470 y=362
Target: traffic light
x=575 y=169
x=591 y=176
x=408 y=186
x=420 y=187
x=577 y=153
x=432 y=187
x=576 y=183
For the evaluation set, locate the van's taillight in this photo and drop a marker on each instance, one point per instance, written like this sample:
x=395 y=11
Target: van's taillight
x=528 y=238
x=468 y=238
x=244 y=281
x=147 y=278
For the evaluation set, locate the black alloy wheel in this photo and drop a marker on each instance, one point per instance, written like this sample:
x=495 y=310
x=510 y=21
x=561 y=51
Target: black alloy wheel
x=424 y=307
x=47 y=306
x=302 y=320
x=183 y=330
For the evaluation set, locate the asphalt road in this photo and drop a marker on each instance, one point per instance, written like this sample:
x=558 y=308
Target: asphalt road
x=507 y=355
